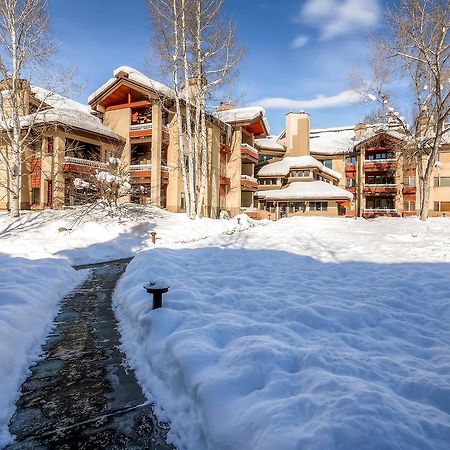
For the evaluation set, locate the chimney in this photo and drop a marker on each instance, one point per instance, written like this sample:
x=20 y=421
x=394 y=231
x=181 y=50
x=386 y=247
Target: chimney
x=297 y=134
x=360 y=130
x=225 y=106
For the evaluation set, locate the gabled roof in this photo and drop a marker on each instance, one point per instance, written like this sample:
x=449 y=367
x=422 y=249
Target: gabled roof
x=283 y=167
x=126 y=72
x=307 y=190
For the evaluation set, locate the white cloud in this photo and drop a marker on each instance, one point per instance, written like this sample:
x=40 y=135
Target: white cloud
x=339 y=17
x=300 y=41
x=320 y=102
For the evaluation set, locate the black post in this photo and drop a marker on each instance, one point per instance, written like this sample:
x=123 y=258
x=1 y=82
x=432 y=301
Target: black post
x=157 y=294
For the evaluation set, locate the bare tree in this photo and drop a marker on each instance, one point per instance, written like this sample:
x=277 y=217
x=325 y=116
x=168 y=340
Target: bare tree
x=197 y=48
x=415 y=46
x=24 y=50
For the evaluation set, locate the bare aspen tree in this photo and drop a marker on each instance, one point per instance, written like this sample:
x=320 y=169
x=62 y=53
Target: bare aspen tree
x=197 y=48
x=415 y=46
x=24 y=51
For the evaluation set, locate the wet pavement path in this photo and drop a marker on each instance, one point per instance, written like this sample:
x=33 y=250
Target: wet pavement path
x=80 y=395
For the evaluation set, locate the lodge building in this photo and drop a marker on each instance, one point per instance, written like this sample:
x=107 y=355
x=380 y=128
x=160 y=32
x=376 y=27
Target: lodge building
x=349 y=171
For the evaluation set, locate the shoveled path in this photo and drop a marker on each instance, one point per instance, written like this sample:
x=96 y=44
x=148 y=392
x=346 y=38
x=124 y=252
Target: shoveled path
x=80 y=395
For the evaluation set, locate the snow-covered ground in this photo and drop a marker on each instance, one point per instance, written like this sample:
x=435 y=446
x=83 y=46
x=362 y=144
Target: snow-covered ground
x=96 y=238
x=308 y=333
x=36 y=254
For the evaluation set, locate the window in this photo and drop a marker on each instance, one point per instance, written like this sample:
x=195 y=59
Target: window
x=380 y=203
x=379 y=179
x=409 y=206
x=328 y=163
x=35 y=196
x=50 y=144
x=351 y=160
x=318 y=206
x=442 y=206
x=350 y=182
x=295 y=207
x=441 y=181
x=299 y=173
x=409 y=181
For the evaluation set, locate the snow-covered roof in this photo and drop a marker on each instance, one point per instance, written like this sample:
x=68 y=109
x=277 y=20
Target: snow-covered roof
x=137 y=77
x=307 y=190
x=58 y=101
x=246 y=114
x=269 y=143
x=378 y=131
x=283 y=167
x=64 y=111
x=71 y=118
x=332 y=141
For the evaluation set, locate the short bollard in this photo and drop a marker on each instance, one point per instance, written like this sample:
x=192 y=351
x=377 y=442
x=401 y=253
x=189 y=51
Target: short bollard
x=157 y=291
x=239 y=220
x=153 y=233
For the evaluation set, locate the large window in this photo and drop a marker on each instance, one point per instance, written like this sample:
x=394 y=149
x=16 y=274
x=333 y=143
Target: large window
x=267 y=181
x=35 y=196
x=441 y=181
x=350 y=182
x=318 y=206
x=380 y=203
x=350 y=160
x=379 y=179
x=379 y=155
x=409 y=205
x=409 y=181
x=299 y=173
x=442 y=206
x=328 y=163
x=295 y=207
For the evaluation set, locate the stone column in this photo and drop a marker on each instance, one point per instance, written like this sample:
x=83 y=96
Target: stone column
x=59 y=147
x=156 y=154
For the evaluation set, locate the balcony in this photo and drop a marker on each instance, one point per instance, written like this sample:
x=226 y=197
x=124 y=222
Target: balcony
x=249 y=183
x=250 y=153
x=141 y=170
x=375 y=212
x=80 y=165
x=140 y=130
x=380 y=189
x=380 y=164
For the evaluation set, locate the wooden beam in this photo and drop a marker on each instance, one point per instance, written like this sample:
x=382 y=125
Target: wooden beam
x=129 y=105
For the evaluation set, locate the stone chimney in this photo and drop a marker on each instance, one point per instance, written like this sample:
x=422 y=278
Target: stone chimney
x=297 y=134
x=225 y=106
x=360 y=130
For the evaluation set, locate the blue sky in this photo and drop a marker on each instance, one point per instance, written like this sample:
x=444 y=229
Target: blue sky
x=299 y=53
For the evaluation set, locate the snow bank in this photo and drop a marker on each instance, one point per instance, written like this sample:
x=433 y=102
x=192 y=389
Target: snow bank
x=262 y=347
x=29 y=295
x=95 y=237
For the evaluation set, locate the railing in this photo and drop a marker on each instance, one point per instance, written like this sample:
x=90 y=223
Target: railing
x=84 y=162
x=380 y=161
x=141 y=127
x=250 y=149
x=388 y=185
x=249 y=178
x=137 y=167
x=379 y=210
x=165 y=168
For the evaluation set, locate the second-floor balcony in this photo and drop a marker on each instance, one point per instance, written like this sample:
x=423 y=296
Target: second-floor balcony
x=390 y=188
x=380 y=164
x=249 y=183
x=141 y=130
x=249 y=153
x=145 y=170
x=72 y=164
